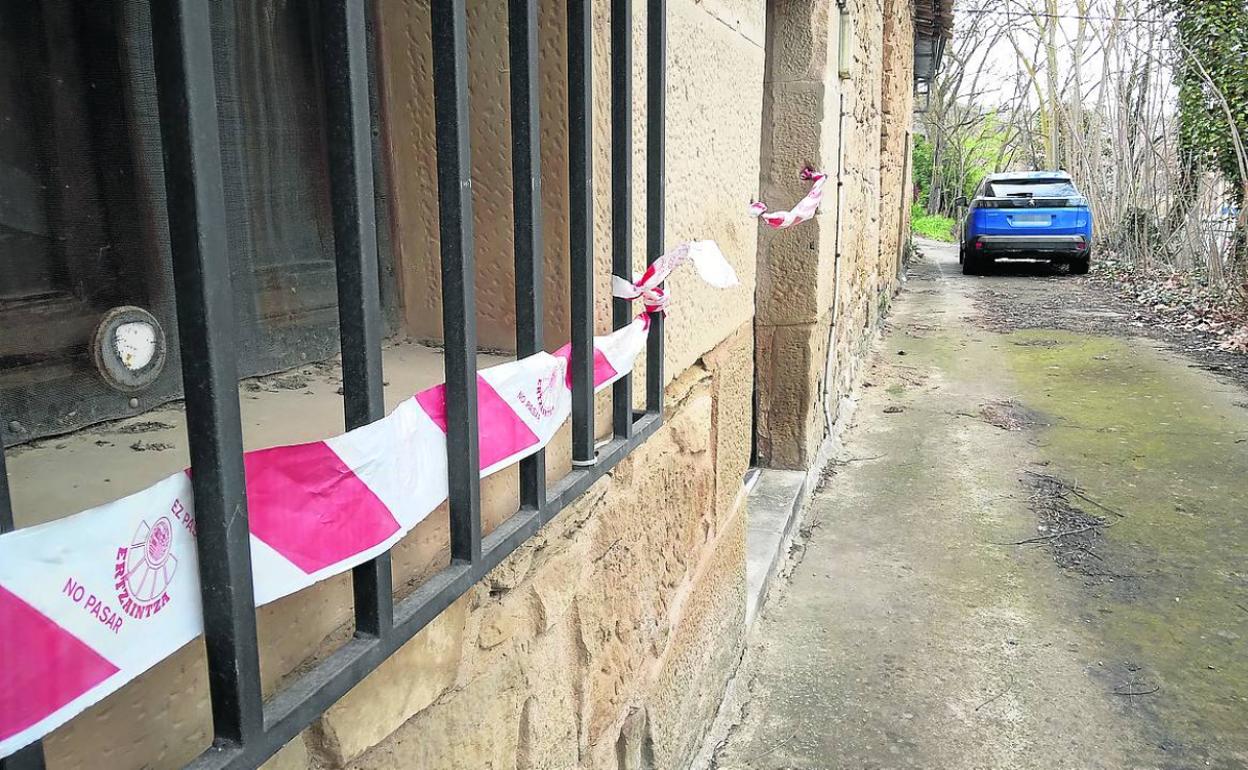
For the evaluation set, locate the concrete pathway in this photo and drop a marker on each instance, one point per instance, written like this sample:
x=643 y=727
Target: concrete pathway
x=1033 y=552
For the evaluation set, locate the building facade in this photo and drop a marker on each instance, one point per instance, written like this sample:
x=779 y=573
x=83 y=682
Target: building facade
x=406 y=192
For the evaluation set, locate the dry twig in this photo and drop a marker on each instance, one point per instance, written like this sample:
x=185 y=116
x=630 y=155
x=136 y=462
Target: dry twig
x=1138 y=692
x=995 y=697
x=1056 y=535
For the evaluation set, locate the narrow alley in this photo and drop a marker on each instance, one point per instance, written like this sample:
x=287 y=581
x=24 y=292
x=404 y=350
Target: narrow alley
x=1029 y=552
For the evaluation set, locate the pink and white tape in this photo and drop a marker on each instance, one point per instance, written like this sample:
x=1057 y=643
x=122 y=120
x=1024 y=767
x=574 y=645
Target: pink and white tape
x=646 y=286
x=804 y=210
x=89 y=602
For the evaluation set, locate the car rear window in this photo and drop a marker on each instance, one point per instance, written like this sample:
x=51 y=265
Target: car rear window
x=1032 y=188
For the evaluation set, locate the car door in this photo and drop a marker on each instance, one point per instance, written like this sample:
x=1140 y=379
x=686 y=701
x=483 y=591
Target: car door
x=965 y=223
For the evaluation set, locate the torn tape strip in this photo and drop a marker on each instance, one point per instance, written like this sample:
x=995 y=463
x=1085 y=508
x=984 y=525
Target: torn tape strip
x=707 y=259
x=804 y=210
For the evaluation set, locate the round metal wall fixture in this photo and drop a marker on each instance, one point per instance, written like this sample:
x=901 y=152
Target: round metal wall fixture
x=129 y=348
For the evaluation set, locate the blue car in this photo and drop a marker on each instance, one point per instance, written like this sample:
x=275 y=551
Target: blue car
x=1026 y=215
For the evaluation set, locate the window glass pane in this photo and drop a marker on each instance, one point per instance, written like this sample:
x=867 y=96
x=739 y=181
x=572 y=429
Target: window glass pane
x=275 y=159
x=1032 y=188
x=26 y=268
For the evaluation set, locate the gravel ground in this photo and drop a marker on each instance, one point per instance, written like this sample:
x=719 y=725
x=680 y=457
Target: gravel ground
x=1090 y=305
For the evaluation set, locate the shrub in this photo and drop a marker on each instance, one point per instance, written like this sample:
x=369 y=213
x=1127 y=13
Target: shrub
x=931 y=226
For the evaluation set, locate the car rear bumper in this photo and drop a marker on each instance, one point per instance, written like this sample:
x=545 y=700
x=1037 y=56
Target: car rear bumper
x=1003 y=245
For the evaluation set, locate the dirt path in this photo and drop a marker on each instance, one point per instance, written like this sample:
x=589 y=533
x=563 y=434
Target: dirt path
x=1034 y=553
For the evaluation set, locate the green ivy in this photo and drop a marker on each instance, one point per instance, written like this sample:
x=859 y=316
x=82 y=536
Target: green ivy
x=1216 y=32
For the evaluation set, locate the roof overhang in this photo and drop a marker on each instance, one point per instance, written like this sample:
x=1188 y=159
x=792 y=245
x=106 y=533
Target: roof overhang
x=933 y=27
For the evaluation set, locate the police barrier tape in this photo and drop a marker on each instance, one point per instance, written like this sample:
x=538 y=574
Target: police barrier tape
x=90 y=601
x=805 y=208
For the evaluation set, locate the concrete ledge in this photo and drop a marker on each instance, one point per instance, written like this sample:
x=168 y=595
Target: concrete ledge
x=772 y=508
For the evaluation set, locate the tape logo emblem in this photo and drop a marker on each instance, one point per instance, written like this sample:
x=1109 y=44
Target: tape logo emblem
x=145 y=569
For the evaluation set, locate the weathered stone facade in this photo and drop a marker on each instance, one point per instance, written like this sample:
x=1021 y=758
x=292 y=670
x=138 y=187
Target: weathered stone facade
x=715 y=61
x=605 y=641
x=615 y=627
x=822 y=287
x=896 y=139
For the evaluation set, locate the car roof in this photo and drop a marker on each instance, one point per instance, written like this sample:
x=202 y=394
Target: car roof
x=1027 y=175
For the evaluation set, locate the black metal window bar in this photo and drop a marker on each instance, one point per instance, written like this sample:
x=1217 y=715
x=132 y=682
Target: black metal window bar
x=247 y=730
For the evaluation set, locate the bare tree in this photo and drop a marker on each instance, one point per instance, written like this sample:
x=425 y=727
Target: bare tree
x=1089 y=88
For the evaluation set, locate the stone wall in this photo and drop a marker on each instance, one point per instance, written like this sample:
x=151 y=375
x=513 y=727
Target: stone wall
x=797 y=271
x=823 y=286
x=615 y=628
x=896 y=140
x=860 y=271
x=606 y=640
x=714 y=60
x=610 y=634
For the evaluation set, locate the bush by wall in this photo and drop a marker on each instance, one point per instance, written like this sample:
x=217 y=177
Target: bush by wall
x=932 y=226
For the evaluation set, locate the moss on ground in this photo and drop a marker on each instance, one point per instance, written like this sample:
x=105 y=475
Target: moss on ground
x=1162 y=445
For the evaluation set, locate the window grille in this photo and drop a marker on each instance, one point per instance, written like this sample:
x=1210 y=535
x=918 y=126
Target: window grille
x=247 y=729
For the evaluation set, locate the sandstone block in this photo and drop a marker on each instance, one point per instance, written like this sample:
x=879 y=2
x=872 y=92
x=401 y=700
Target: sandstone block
x=471 y=728
x=732 y=365
x=549 y=731
x=496 y=628
x=555 y=585
x=712 y=169
x=801 y=34
x=693 y=674
x=635 y=747
x=746 y=17
x=691 y=427
x=292 y=756
x=404 y=685
x=647 y=539
x=791 y=362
